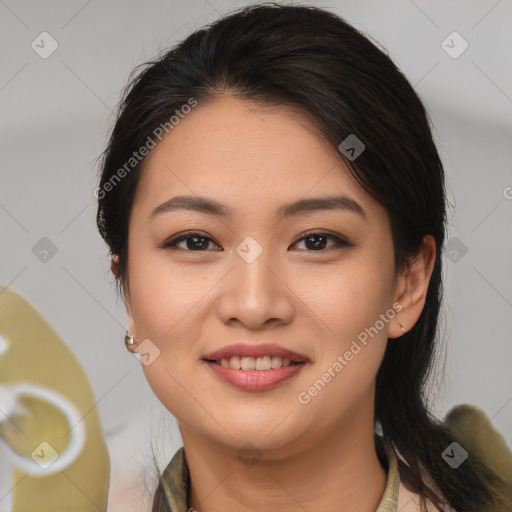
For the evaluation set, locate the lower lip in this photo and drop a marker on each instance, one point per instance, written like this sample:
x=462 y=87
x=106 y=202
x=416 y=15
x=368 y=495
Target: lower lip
x=255 y=380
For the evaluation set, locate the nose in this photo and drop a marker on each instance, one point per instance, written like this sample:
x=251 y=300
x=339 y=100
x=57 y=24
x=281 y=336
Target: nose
x=255 y=294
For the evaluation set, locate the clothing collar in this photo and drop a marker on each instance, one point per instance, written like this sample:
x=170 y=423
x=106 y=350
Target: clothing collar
x=176 y=482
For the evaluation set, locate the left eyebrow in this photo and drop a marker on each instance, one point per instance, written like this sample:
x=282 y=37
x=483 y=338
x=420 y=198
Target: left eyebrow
x=302 y=206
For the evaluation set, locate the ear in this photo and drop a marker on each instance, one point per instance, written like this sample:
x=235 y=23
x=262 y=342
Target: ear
x=114 y=262
x=411 y=288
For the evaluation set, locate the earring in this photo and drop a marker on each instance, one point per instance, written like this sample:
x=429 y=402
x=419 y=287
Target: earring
x=402 y=327
x=129 y=339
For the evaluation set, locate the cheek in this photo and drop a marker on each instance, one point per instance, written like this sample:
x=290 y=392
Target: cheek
x=347 y=304
x=171 y=387
x=167 y=308
x=164 y=295
x=346 y=298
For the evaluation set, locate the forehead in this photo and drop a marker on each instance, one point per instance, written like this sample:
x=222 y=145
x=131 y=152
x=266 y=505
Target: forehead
x=242 y=153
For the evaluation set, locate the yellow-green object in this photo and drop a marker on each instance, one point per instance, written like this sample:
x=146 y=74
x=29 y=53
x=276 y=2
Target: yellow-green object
x=483 y=442
x=39 y=428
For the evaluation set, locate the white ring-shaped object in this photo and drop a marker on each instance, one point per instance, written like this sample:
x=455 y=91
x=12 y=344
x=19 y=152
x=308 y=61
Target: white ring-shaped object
x=73 y=415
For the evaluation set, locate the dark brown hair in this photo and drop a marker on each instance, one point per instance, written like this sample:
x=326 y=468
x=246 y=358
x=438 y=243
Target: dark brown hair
x=311 y=59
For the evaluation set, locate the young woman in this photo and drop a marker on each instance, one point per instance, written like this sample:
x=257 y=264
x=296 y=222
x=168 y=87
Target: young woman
x=274 y=205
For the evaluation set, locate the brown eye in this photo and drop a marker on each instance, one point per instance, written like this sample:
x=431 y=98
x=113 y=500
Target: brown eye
x=316 y=241
x=194 y=241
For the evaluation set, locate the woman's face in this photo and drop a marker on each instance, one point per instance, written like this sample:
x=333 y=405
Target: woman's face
x=256 y=278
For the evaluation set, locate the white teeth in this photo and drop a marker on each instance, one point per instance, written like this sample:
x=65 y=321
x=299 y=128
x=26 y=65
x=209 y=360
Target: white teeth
x=248 y=363
x=263 y=363
x=255 y=363
x=277 y=362
x=234 y=362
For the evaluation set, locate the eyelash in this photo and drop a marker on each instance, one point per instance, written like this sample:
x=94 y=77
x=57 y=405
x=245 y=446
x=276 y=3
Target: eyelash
x=171 y=243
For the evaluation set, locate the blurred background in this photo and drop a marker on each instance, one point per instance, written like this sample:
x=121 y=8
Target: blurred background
x=57 y=100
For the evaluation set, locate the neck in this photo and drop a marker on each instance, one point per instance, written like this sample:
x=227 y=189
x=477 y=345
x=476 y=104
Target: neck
x=340 y=472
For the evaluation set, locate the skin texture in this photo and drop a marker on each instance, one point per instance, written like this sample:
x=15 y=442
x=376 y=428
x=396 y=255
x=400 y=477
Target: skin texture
x=189 y=302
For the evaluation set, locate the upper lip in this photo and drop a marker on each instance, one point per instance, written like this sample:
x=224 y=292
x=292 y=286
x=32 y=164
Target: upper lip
x=246 y=350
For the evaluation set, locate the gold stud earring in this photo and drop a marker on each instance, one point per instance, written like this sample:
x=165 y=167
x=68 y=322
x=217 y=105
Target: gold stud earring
x=128 y=340
x=402 y=327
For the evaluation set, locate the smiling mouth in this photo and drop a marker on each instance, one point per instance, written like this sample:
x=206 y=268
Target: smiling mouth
x=255 y=373
x=264 y=363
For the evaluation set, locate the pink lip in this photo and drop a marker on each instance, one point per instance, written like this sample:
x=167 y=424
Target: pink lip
x=255 y=380
x=247 y=350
